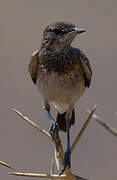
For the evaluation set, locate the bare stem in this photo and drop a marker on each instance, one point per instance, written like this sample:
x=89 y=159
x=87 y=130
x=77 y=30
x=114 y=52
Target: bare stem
x=57 y=160
x=59 y=150
x=72 y=177
x=32 y=123
x=83 y=129
x=37 y=175
x=107 y=126
x=113 y=131
x=7 y=165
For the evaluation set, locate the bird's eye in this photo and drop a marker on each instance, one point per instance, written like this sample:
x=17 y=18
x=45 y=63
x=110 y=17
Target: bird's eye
x=57 y=31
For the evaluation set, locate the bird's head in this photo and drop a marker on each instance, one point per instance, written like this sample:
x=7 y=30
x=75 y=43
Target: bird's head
x=60 y=34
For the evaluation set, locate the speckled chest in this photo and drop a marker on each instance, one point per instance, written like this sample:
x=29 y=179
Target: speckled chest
x=61 y=78
x=60 y=61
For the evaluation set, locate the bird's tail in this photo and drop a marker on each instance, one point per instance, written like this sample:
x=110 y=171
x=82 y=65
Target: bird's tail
x=62 y=121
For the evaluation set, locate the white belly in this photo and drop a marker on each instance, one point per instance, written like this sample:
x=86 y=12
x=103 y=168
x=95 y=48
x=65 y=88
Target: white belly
x=62 y=91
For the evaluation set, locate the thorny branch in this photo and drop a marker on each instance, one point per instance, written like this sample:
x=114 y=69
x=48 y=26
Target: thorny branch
x=59 y=151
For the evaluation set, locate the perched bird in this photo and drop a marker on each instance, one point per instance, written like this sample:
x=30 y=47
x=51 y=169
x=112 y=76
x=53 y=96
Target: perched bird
x=61 y=74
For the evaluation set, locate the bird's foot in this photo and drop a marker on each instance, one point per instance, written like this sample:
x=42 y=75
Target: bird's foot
x=54 y=128
x=67 y=162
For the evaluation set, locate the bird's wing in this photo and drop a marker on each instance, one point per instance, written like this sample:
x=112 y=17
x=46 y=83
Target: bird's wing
x=86 y=68
x=33 y=66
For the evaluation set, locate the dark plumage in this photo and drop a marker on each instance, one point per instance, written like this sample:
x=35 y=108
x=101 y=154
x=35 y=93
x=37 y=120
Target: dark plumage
x=62 y=122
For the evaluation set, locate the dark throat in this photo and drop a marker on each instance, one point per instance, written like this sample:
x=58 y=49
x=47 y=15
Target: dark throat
x=57 y=60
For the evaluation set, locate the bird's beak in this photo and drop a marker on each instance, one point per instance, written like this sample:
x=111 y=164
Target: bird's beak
x=79 y=30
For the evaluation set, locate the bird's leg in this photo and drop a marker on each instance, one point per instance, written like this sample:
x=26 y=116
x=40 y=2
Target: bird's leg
x=67 y=153
x=54 y=125
x=67 y=160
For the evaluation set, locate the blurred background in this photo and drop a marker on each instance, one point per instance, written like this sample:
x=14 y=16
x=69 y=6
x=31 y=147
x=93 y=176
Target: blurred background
x=21 y=26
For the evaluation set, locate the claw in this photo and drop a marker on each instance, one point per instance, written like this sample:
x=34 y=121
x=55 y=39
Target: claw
x=66 y=162
x=54 y=128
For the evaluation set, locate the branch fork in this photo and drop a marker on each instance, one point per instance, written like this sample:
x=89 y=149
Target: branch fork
x=59 y=152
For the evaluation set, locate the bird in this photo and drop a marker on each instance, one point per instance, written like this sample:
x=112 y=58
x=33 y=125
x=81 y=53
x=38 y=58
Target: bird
x=61 y=73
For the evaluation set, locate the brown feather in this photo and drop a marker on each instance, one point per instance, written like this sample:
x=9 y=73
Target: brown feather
x=86 y=68
x=61 y=120
x=33 y=66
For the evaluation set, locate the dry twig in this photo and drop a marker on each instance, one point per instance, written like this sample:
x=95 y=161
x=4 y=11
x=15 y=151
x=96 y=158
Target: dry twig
x=37 y=175
x=7 y=165
x=32 y=123
x=57 y=160
x=83 y=128
x=107 y=126
x=59 y=149
x=113 y=131
x=73 y=177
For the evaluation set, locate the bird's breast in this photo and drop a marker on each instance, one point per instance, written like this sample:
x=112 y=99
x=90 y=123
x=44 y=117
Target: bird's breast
x=61 y=89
